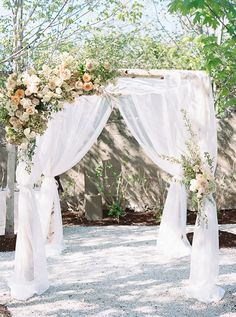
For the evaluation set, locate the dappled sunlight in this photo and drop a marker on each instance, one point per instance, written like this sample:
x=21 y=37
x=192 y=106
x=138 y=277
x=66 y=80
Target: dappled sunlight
x=110 y=272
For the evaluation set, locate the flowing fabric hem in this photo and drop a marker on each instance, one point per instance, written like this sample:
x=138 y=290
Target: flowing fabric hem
x=24 y=290
x=176 y=249
x=205 y=294
x=54 y=249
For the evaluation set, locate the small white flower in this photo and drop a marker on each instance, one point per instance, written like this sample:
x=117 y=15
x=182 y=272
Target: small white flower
x=58 y=90
x=193 y=185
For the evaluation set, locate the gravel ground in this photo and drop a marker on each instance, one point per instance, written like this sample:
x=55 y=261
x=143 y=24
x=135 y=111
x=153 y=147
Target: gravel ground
x=116 y=271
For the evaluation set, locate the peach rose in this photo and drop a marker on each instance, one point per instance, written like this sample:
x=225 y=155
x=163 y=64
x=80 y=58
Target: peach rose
x=20 y=93
x=86 y=77
x=88 y=86
x=15 y=99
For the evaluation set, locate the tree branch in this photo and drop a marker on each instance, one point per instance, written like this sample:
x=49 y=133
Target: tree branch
x=14 y=55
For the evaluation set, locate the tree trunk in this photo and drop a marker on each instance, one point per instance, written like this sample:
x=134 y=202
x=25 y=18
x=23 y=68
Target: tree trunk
x=11 y=161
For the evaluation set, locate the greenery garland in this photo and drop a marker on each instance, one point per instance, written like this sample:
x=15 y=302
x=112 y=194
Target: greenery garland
x=198 y=171
x=30 y=98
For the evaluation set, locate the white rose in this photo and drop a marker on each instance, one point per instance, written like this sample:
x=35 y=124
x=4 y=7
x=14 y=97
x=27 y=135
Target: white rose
x=58 y=81
x=35 y=79
x=32 y=88
x=58 y=90
x=29 y=134
x=24 y=117
x=65 y=73
x=25 y=102
x=78 y=85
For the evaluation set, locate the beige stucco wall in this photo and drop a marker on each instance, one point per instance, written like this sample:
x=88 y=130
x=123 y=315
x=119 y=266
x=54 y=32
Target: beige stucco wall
x=146 y=188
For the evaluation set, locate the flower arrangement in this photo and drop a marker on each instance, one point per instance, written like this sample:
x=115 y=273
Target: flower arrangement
x=30 y=98
x=198 y=171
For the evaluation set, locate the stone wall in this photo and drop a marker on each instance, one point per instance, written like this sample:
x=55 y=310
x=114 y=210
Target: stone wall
x=143 y=184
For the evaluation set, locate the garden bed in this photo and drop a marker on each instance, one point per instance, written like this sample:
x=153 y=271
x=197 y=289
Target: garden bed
x=147 y=218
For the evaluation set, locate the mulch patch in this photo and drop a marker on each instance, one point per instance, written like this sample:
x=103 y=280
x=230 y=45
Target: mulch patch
x=4 y=312
x=226 y=239
x=147 y=218
x=71 y=218
x=7 y=243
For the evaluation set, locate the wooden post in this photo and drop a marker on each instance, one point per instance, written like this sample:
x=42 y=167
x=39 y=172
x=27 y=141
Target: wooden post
x=11 y=164
x=11 y=161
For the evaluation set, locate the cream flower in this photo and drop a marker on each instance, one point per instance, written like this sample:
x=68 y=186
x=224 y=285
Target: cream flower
x=48 y=96
x=24 y=145
x=13 y=120
x=26 y=102
x=65 y=73
x=11 y=84
x=52 y=85
x=46 y=71
x=78 y=85
x=31 y=110
x=29 y=134
x=35 y=101
x=24 y=117
x=58 y=81
x=19 y=113
x=32 y=89
x=66 y=59
x=28 y=92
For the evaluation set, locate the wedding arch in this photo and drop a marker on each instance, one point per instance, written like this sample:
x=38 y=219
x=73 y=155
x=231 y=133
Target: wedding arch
x=151 y=106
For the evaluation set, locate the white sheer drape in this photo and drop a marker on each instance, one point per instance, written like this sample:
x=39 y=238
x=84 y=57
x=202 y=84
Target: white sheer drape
x=155 y=121
x=68 y=138
x=153 y=115
x=30 y=273
x=204 y=267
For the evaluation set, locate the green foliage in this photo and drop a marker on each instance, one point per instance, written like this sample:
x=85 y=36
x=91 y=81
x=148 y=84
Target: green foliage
x=112 y=186
x=52 y=26
x=115 y=210
x=129 y=50
x=217 y=22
